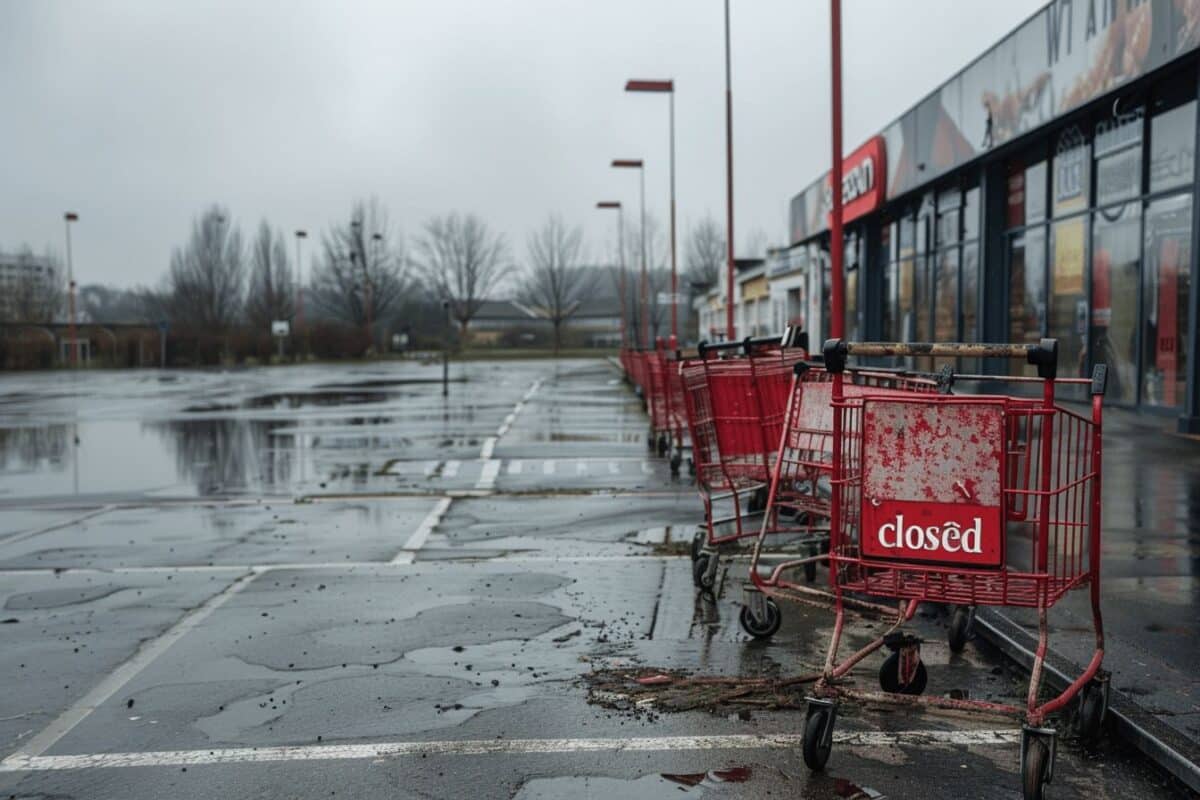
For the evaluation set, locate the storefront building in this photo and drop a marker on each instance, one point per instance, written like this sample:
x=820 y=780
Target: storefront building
x=1048 y=189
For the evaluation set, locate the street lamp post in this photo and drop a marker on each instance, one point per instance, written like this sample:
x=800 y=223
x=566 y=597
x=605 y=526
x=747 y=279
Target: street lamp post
x=612 y=204
x=68 y=218
x=636 y=163
x=667 y=87
x=836 y=289
x=729 y=260
x=300 y=235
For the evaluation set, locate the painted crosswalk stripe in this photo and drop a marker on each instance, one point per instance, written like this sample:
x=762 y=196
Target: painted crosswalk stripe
x=514 y=466
x=548 y=467
x=451 y=469
x=487 y=475
x=614 y=468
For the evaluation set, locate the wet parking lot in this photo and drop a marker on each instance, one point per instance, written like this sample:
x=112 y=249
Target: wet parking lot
x=333 y=581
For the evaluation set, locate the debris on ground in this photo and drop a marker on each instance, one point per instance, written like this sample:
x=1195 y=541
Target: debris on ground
x=673 y=690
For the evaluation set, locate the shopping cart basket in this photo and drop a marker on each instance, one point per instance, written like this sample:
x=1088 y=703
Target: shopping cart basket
x=798 y=506
x=735 y=409
x=975 y=500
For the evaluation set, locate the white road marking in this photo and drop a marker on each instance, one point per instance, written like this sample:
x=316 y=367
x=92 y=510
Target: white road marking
x=21 y=536
x=430 y=467
x=647 y=468
x=512 y=416
x=417 y=540
x=24 y=761
x=614 y=468
x=451 y=469
x=489 y=445
x=548 y=467
x=115 y=680
x=487 y=476
x=514 y=467
x=581 y=468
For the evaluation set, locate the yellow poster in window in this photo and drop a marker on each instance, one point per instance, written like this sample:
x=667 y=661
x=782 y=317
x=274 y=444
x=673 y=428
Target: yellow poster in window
x=1068 y=256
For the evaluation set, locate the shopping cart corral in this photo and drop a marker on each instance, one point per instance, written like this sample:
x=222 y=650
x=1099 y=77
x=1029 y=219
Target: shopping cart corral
x=736 y=397
x=967 y=500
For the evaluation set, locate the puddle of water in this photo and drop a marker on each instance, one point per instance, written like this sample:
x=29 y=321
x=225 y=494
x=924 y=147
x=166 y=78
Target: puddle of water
x=648 y=787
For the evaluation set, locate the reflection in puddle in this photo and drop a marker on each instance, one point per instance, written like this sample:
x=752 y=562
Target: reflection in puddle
x=648 y=787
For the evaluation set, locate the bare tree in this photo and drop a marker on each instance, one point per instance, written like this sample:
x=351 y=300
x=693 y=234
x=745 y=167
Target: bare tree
x=206 y=280
x=272 y=292
x=705 y=252
x=756 y=243
x=37 y=291
x=658 y=279
x=360 y=275
x=462 y=263
x=555 y=283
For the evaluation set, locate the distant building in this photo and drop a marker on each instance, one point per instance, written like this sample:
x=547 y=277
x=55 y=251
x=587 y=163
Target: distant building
x=24 y=280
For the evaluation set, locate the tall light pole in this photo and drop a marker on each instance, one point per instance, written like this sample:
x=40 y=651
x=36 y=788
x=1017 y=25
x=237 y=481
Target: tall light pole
x=377 y=238
x=68 y=218
x=300 y=235
x=729 y=265
x=636 y=163
x=836 y=301
x=613 y=204
x=667 y=87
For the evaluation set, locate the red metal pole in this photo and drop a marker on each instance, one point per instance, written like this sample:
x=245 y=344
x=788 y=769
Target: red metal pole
x=729 y=265
x=674 y=270
x=837 y=301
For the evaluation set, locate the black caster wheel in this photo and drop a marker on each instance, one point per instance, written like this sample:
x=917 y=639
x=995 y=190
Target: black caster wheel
x=691 y=466
x=768 y=626
x=676 y=462
x=651 y=441
x=1035 y=768
x=663 y=446
x=889 y=677
x=704 y=571
x=960 y=628
x=697 y=544
x=818 y=737
x=1093 y=703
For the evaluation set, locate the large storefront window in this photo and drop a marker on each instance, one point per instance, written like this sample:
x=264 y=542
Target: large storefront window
x=1027 y=287
x=1068 y=303
x=1167 y=282
x=1116 y=258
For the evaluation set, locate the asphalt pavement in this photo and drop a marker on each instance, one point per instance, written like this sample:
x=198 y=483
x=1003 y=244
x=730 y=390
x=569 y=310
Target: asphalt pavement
x=333 y=581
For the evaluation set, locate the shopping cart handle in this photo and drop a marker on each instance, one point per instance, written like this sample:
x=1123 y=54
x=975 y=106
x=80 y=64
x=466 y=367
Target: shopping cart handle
x=790 y=339
x=1043 y=355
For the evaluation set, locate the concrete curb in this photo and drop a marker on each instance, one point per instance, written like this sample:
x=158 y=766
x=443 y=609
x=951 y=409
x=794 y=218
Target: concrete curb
x=1162 y=744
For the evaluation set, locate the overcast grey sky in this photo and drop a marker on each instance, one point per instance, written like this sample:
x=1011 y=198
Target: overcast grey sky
x=138 y=114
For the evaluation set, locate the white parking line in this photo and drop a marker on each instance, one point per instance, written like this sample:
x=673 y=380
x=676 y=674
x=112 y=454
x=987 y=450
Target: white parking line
x=451 y=469
x=25 y=761
x=614 y=468
x=514 y=467
x=548 y=467
x=647 y=468
x=112 y=684
x=417 y=540
x=489 y=445
x=581 y=468
x=487 y=476
x=20 y=536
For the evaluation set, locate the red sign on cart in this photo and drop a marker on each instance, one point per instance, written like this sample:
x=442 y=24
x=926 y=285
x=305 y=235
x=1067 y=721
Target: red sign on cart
x=944 y=533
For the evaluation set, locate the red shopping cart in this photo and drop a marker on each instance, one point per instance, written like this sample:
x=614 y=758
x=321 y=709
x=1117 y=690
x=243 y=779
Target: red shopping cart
x=798 y=505
x=735 y=409
x=989 y=499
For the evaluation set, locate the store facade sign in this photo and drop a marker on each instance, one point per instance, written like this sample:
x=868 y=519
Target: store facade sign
x=863 y=175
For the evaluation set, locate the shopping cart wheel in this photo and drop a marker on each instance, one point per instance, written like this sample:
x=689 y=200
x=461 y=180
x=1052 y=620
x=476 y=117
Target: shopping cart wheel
x=676 y=461
x=651 y=441
x=664 y=445
x=960 y=628
x=1037 y=762
x=810 y=567
x=766 y=628
x=1093 y=703
x=697 y=544
x=890 y=678
x=691 y=466
x=818 y=733
x=704 y=571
